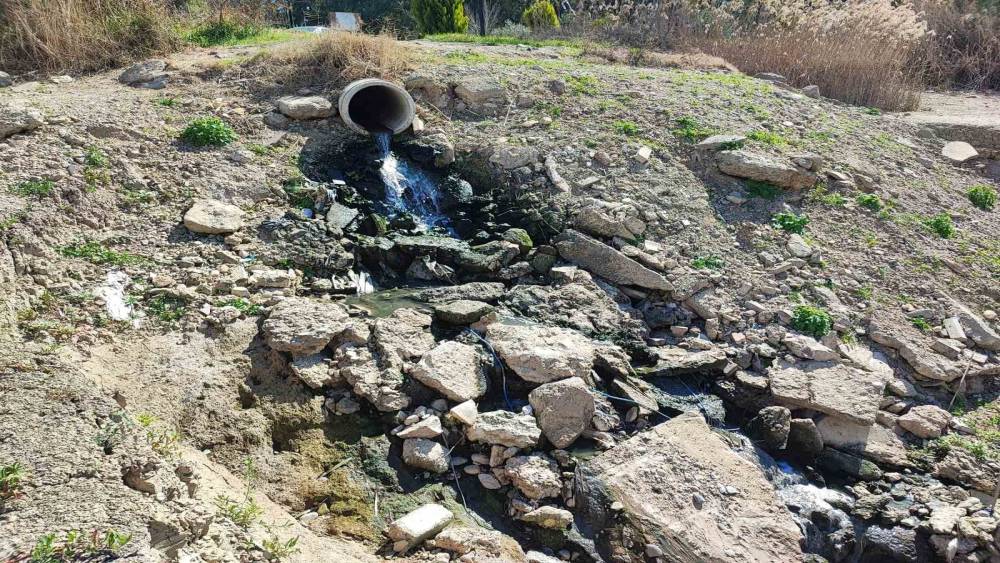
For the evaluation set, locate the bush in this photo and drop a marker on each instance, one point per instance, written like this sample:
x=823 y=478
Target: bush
x=871 y=202
x=540 y=15
x=982 y=196
x=791 y=223
x=812 y=321
x=439 y=16
x=208 y=131
x=941 y=225
x=59 y=35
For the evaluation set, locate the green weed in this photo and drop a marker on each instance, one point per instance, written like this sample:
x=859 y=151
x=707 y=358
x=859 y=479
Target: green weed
x=11 y=476
x=762 y=190
x=584 y=84
x=812 y=321
x=168 y=308
x=208 y=131
x=709 y=262
x=245 y=511
x=96 y=157
x=627 y=128
x=242 y=305
x=940 y=224
x=982 y=196
x=921 y=323
x=871 y=202
x=767 y=137
x=790 y=222
x=688 y=128
x=34 y=188
x=99 y=254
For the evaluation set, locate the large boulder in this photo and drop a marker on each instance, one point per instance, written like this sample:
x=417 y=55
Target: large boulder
x=306 y=107
x=836 y=389
x=303 y=326
x=480 y=542
x=213 y=217
x=541 y=354
x=925 y=362
x=959 y=152
x=580 y=304
x=5 y=80
x=505 y=428
x=925 y=421
x=453 y=369
x=742 y=164
x=874 y=442
x=689 y=495
x=563 y=409
x=603 y=260
x=17 y=119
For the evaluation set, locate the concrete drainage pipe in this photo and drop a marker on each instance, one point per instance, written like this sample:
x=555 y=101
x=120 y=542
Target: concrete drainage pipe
x=373 y=105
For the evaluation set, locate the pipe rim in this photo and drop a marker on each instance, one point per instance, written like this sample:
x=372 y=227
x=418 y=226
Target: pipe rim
x=353 y=88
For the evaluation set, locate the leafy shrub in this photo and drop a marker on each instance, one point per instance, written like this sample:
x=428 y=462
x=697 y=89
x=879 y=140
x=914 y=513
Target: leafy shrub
x=812 y=321
x=11 y=475
x=540 y=15
x=689 y=128
x=871 y=202
x=96 y=157
x=628 y=128
x=208 y=131
x=941 y=225
x=982 y=196
x=439 y=16
x=763 y=190
x=767 y=138
x=920 y=323
x=791 y=223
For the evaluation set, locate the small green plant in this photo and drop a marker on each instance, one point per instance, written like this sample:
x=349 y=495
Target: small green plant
x=11 y=476
x=167 y=308
x=137 y=197
x=872 y=111
x=9 y=221
x=34 y=188
x=866 y=292
x=96 y=157
x=812 y=321
x=94 y=177
x=540 y=15
x=982 y=196
x=76 y=545
x=767 y=137
x=941 y=225
x=244 y=512
x=921 y=323
x=208 y=131
x=584 y=84
x=709 y=262
x=114 y=431
x=871 y=202
x=762 y=190
x=627 y=128
x=242 y=305
x=166 y=101
x=790 y=222
x=258 y=149
x=163 y=441
x=97 y=253
x=278 y=549
x=689 y=128
x=821 y=195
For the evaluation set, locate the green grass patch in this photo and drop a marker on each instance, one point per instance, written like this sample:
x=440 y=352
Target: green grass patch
x=242 y=305
x=97 y=253
x=982 y=196
x=229 y=33
x=208 y=131
x=767 y=137
x=501 y=40
x=940 y=224
x=167 y=308
x=709 y=262
x=166 y=101
x=688 y=128
x=870 y=202
x=584 y=84
x=33 y=188
x=812 y=321
x=790 y=222
x=921 y=323
x=627 y=128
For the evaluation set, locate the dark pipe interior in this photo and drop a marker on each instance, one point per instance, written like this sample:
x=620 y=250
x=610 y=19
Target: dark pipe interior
x=376 y=108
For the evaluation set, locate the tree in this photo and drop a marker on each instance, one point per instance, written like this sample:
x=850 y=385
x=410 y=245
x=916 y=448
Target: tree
x=540 y=15
x=439 y=16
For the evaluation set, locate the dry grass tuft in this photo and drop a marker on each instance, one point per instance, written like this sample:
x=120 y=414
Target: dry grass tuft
x=82 y=35
x=338 y=57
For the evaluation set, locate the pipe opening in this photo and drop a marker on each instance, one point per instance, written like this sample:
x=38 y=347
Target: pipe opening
x=376 y=106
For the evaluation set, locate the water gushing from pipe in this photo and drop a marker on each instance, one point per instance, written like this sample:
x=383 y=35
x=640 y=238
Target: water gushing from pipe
x=408 y=189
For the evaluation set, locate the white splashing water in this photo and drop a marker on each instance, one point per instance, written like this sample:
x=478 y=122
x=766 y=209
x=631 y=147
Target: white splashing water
x=407 y=188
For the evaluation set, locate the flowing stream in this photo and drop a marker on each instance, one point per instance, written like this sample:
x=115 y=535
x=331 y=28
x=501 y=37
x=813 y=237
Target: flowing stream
x=408 y=189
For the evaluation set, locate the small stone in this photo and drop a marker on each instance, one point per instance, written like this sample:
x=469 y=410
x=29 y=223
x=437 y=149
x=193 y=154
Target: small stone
x=305 y=107
x=549 y=517
x=643 y=155
x=425 y=454
x=465 y=413
x=417 y=526
x=488 y=481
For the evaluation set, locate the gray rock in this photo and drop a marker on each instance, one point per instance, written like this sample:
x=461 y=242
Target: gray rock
x=610 y=220
x=143 y=73
x=306 y=107
x=772 y=426
x=804 y=438
x=541 y=354
x=419 y=525
x=959 y=152
x=837 y=461
x=924 y=362
x=603 y=260
x=894 y=545
x=563 y=410
x=505 y=428
x=5 y=80
x=798 y=247
x=425 y=454
x=977 y=329
x=429 y=427
x=481 y=91
x=771 y=77
x=340 y=216
x=742 y=164
x=925 y=421
x=462 y=311
x=536 y=476
x=809 y=348
x=313 y=370
x=718 y=142
x=549 y=517
x=16 y=119
x=453 y=369
x=812 y=91
x=303 y=326
x=509 y=158
x=213 y=217
x=674 y=361
x=652 y=478
x=835 y=389
x=874 y=442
